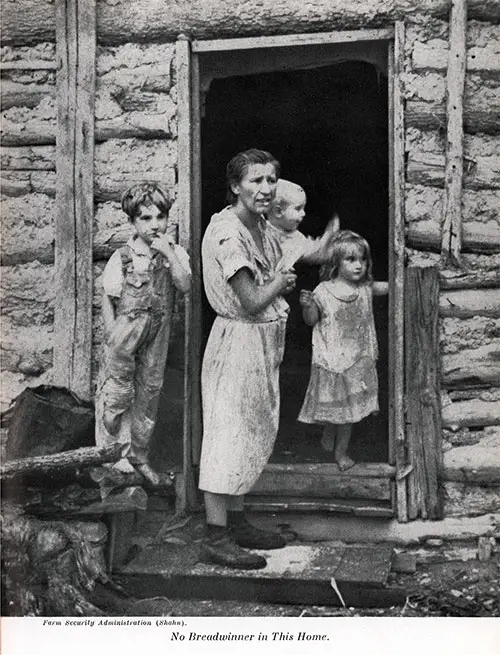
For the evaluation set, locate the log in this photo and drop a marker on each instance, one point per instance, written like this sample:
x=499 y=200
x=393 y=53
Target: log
x=32 y=21
x=15 y=94
x=469 y=303
x=458 y=279
x=474 y=464
x=431 y=116
x=28 y=158
x=79 y=501
x=462 y=499
x=451 y=232
x=469 y=413
x=479 y=238
x=429 y=169
x=68 y=460
x=435 y=56
x=476 y=367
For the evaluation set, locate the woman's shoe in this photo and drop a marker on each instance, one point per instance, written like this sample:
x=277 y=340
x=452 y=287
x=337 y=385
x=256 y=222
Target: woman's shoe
x=224 y=551
x=247 y=535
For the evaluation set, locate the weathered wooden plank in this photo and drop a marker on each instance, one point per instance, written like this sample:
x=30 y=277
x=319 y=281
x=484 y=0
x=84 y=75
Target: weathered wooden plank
x=121 y=21
x=451 y=238
x=462 y=499
x=360 y=469
x=397 y=441
x=432 y=115
x=355 y=507
x=476 y=367
x=469 y=302
x=469 y=413
x=281 y=483
x=76 y=53
x=290 y=40
x=477 y=238
x=184 y=204
x=423 y=424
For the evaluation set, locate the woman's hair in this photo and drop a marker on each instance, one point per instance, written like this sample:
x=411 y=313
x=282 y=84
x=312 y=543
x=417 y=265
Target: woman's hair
x=343 y=244
x=239 y=164
x=144 y=194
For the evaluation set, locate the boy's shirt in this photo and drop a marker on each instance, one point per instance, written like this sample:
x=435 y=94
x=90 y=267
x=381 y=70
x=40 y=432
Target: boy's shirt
x=294 y=246
x=141 y=253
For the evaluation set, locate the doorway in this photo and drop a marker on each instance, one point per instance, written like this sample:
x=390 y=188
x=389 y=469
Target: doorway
x=328 y=126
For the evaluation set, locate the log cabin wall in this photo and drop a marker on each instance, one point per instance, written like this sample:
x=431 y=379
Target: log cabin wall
x=136 y=139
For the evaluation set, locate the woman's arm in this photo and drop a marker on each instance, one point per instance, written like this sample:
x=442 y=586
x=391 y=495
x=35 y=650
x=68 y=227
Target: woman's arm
x=253 y=297
x=380 y=288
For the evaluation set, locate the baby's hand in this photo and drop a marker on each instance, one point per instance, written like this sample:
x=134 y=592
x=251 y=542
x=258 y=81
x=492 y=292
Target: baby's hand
x=287 y=280
x=163 y=244
x=306 y=298
x=333 y=225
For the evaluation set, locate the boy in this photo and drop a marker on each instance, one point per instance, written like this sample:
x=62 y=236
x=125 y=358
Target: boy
x=285 y=214
x=138 y=283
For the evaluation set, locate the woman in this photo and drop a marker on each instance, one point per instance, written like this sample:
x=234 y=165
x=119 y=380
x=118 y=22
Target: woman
x=240 y=375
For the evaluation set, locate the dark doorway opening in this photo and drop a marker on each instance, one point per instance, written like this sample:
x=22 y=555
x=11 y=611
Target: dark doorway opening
x=328 y=127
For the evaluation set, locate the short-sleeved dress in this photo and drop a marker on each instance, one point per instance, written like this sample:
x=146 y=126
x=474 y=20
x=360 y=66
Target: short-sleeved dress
x=240 y=373
x=343 y=387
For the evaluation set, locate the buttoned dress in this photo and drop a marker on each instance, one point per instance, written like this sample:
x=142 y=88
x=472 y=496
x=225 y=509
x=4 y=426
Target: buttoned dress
x=240 y=372
x=343 y=386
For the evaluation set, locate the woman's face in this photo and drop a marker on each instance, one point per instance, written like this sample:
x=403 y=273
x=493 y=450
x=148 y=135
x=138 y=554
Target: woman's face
x=256 y=189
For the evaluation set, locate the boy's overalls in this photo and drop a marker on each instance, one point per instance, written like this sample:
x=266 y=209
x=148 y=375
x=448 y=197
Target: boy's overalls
x=135 y=355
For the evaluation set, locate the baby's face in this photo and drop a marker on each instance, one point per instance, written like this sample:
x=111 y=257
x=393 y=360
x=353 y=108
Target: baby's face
x=292 y=212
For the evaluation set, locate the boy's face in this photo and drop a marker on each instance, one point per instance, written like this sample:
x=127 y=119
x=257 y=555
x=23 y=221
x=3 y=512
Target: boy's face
x=292 y=211
x=150 y=223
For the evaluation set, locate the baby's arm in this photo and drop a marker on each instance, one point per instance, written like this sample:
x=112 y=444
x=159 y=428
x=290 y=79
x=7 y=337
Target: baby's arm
x=380 y=288
x=255 y=297
x=319 y=252
x=310 y=310
x=179 y=266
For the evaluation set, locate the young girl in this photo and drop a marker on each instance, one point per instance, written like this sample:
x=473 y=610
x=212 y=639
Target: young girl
x=343 y=386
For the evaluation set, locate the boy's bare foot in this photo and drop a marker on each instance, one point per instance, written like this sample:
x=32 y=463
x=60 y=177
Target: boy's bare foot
x=111 y=421
x=124 y=466
x=344 y=462
x=328 y=441
x=155 y=479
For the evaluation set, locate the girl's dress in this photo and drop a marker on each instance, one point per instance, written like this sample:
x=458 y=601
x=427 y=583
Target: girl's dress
x=343 y=387
x=240 y=373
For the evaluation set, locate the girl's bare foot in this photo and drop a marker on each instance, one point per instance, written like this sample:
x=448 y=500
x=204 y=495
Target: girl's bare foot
x=155 y=479
x=328 y=441
x=344 y=462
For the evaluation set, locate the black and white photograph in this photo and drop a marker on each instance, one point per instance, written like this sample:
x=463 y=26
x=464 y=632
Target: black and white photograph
x=250 y=325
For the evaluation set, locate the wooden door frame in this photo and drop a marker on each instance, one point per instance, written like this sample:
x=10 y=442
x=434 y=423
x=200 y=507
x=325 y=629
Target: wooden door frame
x=189 y=203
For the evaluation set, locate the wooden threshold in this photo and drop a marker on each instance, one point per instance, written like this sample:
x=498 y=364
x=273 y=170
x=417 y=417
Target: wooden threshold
x=357 y=507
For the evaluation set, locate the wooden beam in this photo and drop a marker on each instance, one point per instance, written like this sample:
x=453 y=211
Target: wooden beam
x=451 y=241
x=431 y=116
x=477 y=367
x=291 y=40
x=428 y=169
x=76 y=54
x=184 y=203
x=470 y=413
x=469 y=279
x=368 y=470
x=397 y=443
x=423 y=407
x=477 y=237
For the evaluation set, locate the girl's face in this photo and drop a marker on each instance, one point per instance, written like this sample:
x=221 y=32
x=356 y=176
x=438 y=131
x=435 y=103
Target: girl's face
x=256 y=189
x=353 y=265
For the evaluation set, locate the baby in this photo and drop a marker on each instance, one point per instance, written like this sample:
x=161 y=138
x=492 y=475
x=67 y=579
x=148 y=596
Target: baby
x=286 y=212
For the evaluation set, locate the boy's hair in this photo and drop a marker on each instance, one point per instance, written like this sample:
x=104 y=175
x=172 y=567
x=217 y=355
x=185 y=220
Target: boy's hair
x=145 y=193
x=284 y=190
x=239 y=164
x=343 y=243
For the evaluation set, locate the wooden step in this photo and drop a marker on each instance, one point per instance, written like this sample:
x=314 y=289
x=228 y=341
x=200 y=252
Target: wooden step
x=371 y=481
x=358 y=507
x=296 y=574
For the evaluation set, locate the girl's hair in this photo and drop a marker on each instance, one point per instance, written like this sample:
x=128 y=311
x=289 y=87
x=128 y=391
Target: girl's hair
x=145 y=193
x=239 y=164
x=343 y=244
